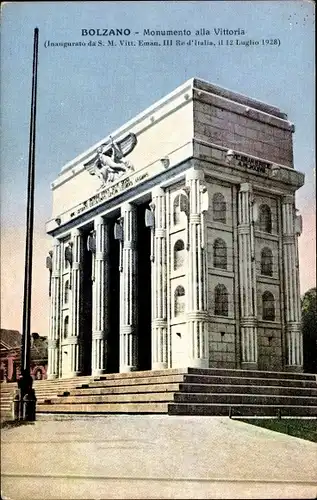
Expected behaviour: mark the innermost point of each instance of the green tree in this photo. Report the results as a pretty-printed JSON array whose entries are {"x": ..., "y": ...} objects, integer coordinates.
[{"x": 309, "y": 327}]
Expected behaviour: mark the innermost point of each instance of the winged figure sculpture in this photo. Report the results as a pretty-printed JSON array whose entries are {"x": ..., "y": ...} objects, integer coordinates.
[{"x": 109, "y": 163}]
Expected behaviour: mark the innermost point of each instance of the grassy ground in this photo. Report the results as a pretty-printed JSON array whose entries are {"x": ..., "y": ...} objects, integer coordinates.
[{"x": 301, "y": 427}]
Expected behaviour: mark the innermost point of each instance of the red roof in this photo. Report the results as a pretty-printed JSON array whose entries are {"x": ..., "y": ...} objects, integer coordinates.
[{"x": 10, "y": 339}]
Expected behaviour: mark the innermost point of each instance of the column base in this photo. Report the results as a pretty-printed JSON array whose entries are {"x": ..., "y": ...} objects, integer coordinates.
[
  {"x": 199, "y": 363},
  {"x": 247, "y": 365},
  {"x": 127, "y": 369},
  {"x": 96, "y": 373},
  {"x": 52, "y": 376},
  {"x": 294, "y": 368},
  {"x": 159, "y": 366},
  {"x": 73, "y": 374}
]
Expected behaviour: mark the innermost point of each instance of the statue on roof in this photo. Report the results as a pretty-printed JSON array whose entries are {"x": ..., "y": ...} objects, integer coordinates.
[{"x": 109, "y": 163}]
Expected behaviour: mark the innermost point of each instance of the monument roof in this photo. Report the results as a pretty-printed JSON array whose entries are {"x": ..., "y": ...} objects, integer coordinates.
[
  {"x": 191, "y": 84},
  {"x": 239, "y": 98}
]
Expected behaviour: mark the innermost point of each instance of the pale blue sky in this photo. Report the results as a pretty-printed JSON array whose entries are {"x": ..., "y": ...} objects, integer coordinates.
[{"x": 84, "y": 93}]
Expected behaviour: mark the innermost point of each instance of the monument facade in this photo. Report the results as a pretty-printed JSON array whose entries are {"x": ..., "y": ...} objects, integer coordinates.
[{"x": 175, "y": 242}]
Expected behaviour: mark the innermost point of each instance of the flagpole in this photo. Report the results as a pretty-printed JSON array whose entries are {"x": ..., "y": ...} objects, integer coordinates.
[{"x": 26, "y": 381}]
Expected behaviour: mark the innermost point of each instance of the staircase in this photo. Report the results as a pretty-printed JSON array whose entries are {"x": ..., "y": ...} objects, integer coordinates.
[
  {"x": 187, "y": 391},
  {"x": 43, "y": 390}
]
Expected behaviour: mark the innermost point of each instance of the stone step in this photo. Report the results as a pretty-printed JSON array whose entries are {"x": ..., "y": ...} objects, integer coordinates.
[
  {"x": 243, "y": 399},
  {"x": 105, "y": 408},
  {"x": 209, "y": 371},
  {"x": 212, "y": 379},
  {"x": 6, "y": 395},
  {"x": 247, "y": 389},
  {"x": 5, "y": 416},
  {"x": 142, "y": 374},
  {"x": 43, "y": 385},
  {"x": 57, "y": 387},
  {"x": 38, "y": 394},
  {"x": 64, "y": 379},
  {"x": 125, "y": 389},
  {"x": 5, "y": 402},
  {"x": 45, "y": 392},
  {"x": 179, "y": 397},
  {"x": 202, "y": 379},
  {"x": 252, "y": 373},
  {"x": 8, "y": 403},
  {"x": 111, "y": 398},
  {"x": 43, "y": 389},
  {"x": 51, "y": 381},
  {"x": 133, "y": 381},
  {"x": 241, "y": 410},
  {"x": 185, "y": 387}
]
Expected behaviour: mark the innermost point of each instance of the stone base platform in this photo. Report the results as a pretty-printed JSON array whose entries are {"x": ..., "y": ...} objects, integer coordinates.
[{"x": 188, "y": 391}]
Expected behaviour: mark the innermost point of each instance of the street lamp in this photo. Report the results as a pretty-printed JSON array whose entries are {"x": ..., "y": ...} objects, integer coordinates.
[{"x": 25, "y": 401}]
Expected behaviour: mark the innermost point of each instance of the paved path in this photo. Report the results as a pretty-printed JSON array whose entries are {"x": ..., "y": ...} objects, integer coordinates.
[{"x": 164, "y": 457}]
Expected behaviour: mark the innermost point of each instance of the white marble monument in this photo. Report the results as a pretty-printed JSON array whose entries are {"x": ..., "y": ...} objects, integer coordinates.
[{"x": 181, "y": 248}]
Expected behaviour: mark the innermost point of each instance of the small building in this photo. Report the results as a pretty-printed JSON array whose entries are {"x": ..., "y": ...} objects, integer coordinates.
[
  {"x": 175, "y": 242},
  {"x": 10, "y": 345},
  {"x": 39, "y": 356},
  {"x": 10, "y": 367}
]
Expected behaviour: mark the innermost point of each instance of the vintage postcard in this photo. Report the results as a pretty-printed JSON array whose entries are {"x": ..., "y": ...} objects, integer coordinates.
[{"x": 158, "y": 254}]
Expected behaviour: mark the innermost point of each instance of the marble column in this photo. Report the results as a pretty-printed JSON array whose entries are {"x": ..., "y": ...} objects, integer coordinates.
[
  {"x": 55, "y": 313},
  {"x": 294, "y": 341},
  {"x": 247, "y": 277},
  {"x": 197, "y": 319},
  {"x": 75, "y": 338},
  {"x": 128, "y": 291},
  {"x": 159, "y": 283},
  {"x": 100, "y": 298}
]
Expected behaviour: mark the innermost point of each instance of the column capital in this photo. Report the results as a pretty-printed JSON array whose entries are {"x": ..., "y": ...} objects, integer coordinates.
[
  {"x": 288, "y": 199},
  {"x": 245, "y": 187},
  {"x": 127, "y": 207},
  {"x": 75, "y": 232},
  {"x": 195, "y": 174},
  {"x": 157, "y": 192},
  {"x": 56, "y": 242},
  {"x": 99, "y": 219}
]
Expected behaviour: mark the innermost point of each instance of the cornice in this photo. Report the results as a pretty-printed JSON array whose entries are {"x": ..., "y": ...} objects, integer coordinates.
[{"x": 179, "y": 94}]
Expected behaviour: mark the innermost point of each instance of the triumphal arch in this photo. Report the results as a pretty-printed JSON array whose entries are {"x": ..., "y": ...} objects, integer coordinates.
[{"x": 175, "y": 242}]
